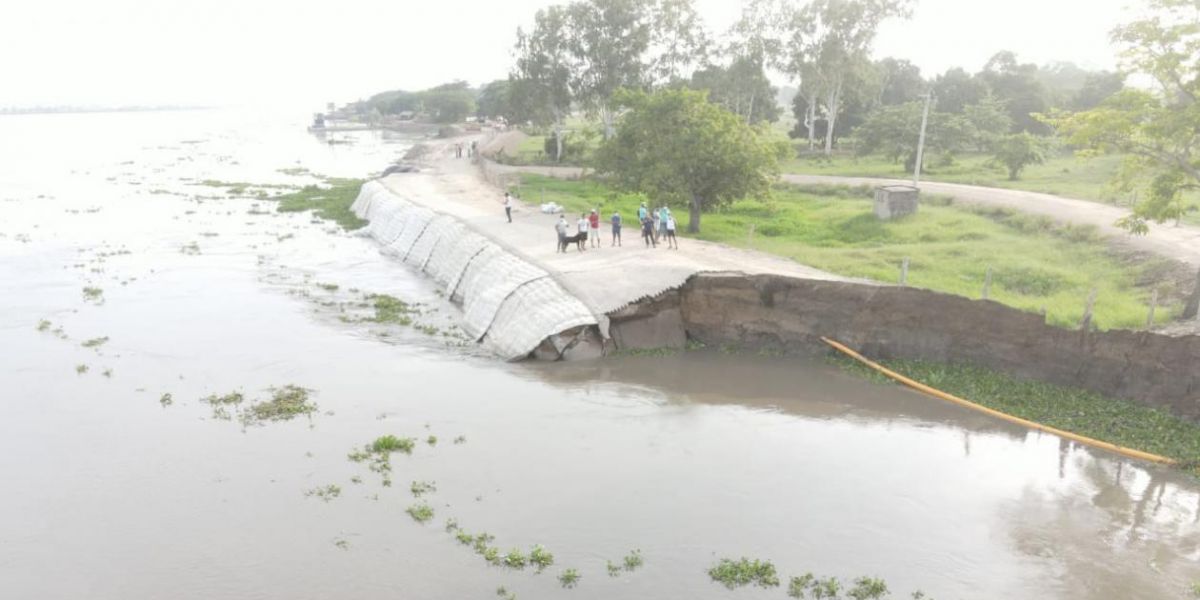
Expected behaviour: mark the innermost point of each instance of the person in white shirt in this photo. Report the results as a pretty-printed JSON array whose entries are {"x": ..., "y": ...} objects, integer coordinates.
[
  {"x": 673, "y": 243},
  {"x": 583, "y": 230},
  {"x": 508, "y": 206}
]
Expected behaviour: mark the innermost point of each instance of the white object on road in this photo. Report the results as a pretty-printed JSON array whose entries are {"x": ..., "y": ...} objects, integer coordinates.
[{"x": 552, "y": 208}]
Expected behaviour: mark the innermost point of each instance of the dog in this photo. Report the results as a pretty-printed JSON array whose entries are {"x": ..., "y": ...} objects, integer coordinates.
[{"x": 578, "y": 239}]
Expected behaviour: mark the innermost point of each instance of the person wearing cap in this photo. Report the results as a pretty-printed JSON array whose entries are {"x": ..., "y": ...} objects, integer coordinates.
[{"x": 616, "y": 228}]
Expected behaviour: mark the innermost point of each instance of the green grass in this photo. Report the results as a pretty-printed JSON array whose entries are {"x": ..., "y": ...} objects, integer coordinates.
[
  {"x": 331, "y": 201},
  {"x": 1061, "y": 174},
  {"x": 1121, "y": 422},
  {"x": 738, "y": 573},
  {"x": 1035, "y": 263}
]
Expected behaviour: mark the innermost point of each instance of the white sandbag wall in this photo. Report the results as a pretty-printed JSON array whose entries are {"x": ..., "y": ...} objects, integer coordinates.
[{"x": 508, "y": 303}]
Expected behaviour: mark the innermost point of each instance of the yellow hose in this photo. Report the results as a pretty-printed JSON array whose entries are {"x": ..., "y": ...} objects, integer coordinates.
[{"x": 916, "y": 385}]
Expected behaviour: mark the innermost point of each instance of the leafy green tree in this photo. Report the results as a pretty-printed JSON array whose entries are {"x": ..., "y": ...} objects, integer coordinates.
[
  {"x": 1097, "y": 87},
  {"x": 742, "y": 87},
  {"x": 893, "y": 131},
  {"x": 449, "y": 103},
  {"x": 495, "y": 100},
  {"x": 1018, "y": 86},
  {"x": 1157, "y": 130},
  {"x": 900, "y": 81},
  {"x": 989, "y": 121},
  {"x": 1019, "y": 150},
  {"x": 956, "y": 89},
  {"x": 676, "y": 146},
  {"x": 543, "y": 82},
  {"x": 836, "y": 38}
]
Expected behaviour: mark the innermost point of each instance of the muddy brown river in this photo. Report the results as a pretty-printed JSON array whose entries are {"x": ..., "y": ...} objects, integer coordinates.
[{"x": 110, "y": 492}]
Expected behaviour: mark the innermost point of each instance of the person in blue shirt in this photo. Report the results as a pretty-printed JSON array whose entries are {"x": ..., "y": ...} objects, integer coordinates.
[{"x": 616, "y": 229}]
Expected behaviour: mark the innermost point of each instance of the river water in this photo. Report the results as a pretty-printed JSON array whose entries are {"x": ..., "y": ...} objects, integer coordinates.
[{"x": 110, "y": 493}]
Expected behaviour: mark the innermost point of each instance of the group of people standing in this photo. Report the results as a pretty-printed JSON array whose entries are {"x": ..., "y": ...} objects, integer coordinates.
[
  {"x": 655, "y": 225},
  {"x": 471, "y": 150}
]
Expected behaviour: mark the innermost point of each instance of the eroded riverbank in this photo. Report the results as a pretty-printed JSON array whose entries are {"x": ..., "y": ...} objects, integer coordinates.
[{"x": 688, "y": 459}]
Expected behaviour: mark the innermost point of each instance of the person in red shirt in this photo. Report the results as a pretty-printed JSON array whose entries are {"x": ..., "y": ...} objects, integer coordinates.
[{"x": 594, "y": 225}]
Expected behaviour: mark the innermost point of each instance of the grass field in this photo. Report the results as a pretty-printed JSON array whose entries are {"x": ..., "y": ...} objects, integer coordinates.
[
  {"x": 1036, "y": 265},
  {"x": 1061, "y": 175}
]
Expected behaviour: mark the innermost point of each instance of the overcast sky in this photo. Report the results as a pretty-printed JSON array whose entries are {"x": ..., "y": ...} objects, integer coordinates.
[{"x": 106, "y": 52}]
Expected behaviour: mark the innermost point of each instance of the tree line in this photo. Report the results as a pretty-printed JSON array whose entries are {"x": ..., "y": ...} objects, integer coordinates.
[{"x": 596, "y": 56}]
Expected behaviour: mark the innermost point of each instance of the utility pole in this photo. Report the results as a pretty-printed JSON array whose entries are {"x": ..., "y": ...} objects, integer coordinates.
[{"x": 921, "y": 141}]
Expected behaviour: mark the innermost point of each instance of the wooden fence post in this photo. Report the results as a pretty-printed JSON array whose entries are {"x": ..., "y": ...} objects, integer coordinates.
[
  {"x": 904, "y": 272},
  {"x": 1086, "y": 324},
  {"x": 1153, "y": 305},
  {"x": 987, "y": 283}
]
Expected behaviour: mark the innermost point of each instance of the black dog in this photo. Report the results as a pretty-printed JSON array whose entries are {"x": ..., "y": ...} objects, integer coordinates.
[{"x": 578, "y": 239}]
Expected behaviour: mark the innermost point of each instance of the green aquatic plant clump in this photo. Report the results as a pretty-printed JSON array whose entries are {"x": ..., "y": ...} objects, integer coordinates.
[
  {"x": 390, "y": 309},
  {"x": 420, "y": 488},
  {"x": 1121, "y": 422},
  {"x": 569, "y": 578},
  {"x": 540, "y": 558},
  {"x": 286, "y": 403},
  {"x": 324, "y": 493},
  {"x": 633, "y": 561},
  {"x": 95, "y": 342},
  {"x": 515, "y": 559},
  {"x": 830, "y": 588},
  {"x": 742, "y": 572},
  {"x": 421, "y": 513},
  {"x": 389, "y": 443},
  {"x": 331, "y": 202}
]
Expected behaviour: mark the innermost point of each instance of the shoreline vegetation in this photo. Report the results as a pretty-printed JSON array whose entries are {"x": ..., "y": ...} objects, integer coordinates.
[
  {"x": 1037, "y": 265},
  {"x": 1117, "y": 421},
  {"x": 331, "y": 202}
]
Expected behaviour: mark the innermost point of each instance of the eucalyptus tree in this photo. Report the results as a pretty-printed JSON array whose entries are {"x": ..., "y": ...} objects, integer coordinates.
[
  {"x": 544, "y": 81},
  {"x": 831, "y": 42}
]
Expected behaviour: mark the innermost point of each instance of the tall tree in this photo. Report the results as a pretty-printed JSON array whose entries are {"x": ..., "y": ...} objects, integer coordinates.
[
  {"x": 836, "y": 36},
  {"x": 1018, "y": 86},
  {"x": 679, "y": 40},
  {"x": 609, "y": 42},
  {"x": 494, "y": 100},
  {"x": 1158, "y": 130},
  {"x": 956, "y": 88},
  {"x": 1097, "y": 87},
  {"x": 741, "y": 87},
  {"x": 677, "y": 147},
  {"x": 899, "y": 81},
  {"x": 543, "y": 81}
]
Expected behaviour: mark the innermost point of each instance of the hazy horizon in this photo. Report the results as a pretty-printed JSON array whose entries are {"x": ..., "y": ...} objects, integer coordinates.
[{"x": 138, "y": 52}]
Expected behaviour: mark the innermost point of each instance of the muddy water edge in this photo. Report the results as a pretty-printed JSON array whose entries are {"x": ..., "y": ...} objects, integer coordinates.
[{"x": 159, "y": 290}]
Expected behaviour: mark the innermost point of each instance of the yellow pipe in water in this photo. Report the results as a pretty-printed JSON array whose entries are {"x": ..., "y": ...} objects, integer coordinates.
[{"x": 936, "y": 393}]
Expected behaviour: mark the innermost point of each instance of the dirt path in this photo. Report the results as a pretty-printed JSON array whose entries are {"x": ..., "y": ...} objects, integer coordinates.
[
  {"x": 1177, "y": 243},
  {"x": 606, "y": 278}
]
